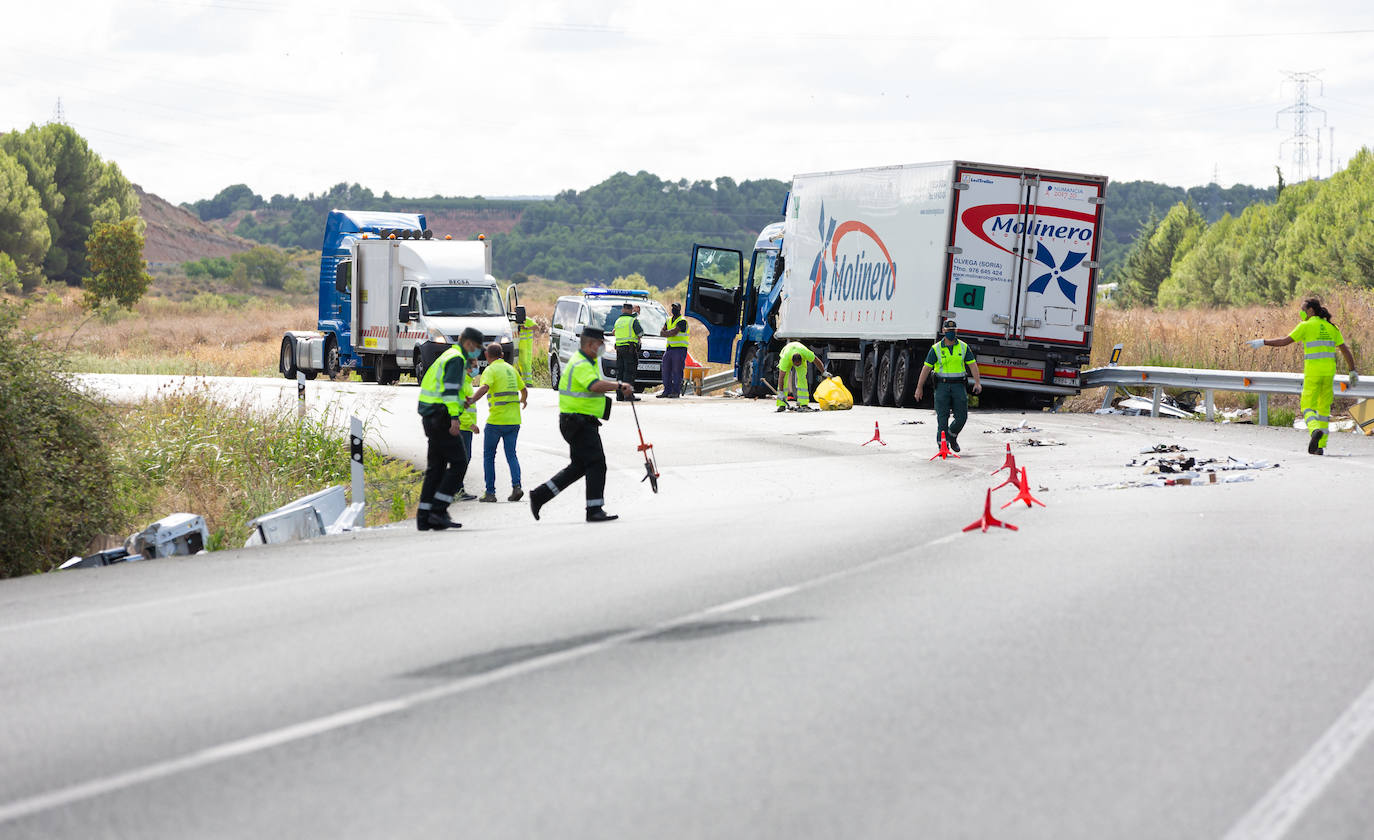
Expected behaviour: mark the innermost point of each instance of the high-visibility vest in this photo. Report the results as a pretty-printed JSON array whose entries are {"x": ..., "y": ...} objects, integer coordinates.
[
  {"x": 679, "y": 324},
  {"x": 625, "y": 331},
  {"x": 949, "y": 361},
  {"x": 525, "y": 332},
  {"x": 436, "y": 390},
  {"x": 503, "y": 393},
  {"x": 575, "y": 395},
  {"x": 467, "y": 421},
  {"x": 1319, "y": 353},
  {"x": 790, "y": 354}
]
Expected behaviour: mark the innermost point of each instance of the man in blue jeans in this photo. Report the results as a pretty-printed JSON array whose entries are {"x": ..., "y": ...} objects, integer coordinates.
[{"x": 506, "y": 394}]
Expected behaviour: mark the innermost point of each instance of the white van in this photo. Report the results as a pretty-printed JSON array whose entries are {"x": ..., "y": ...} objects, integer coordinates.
[{"x": 599, "y": 307}]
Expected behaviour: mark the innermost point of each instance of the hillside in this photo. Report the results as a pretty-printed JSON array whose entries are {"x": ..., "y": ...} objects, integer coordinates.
[{"x": 174, "y": 235}]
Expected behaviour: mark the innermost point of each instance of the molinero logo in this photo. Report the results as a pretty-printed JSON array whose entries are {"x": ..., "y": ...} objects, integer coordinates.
[
  {"x": 857, "y": 274},
  {"x": 1067, "y": 228}
]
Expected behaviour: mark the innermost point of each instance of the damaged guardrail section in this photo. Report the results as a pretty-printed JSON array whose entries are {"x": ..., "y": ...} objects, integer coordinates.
[{"x": 1208, "y": 381}]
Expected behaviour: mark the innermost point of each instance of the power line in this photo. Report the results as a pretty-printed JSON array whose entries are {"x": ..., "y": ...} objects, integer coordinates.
[{"x": 1301, "y": 140}]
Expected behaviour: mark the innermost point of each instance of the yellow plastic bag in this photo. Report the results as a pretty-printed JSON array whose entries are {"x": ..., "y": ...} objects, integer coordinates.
[{"x": 833, "y": 396}]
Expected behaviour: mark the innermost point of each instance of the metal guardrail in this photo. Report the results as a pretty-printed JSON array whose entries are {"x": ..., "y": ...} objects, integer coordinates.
[
  {"x": 717, "y": 381},
  {"x": 1208, "y": 381}
]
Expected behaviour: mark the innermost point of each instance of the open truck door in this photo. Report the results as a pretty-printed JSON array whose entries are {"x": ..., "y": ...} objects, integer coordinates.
[{"x": 715, "y": 297}]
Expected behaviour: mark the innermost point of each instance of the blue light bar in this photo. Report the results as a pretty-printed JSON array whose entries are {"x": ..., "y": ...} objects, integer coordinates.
[{"x": 597, "y": 291}]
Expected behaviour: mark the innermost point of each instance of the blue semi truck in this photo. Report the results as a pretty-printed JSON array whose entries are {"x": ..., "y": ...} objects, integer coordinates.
[{"x": 390, "y": 292}]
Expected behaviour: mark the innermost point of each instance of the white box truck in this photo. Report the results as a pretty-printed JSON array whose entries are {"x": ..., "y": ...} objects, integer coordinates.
[
  {"x": 388, "y": 286},
  {"x": 867, "y": 264}
]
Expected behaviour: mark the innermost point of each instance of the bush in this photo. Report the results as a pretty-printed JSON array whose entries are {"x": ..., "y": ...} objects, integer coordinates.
[{"x": 55, "y": 487}]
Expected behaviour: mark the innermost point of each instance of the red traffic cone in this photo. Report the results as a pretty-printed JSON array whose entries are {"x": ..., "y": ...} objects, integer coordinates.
[
  {"x": 1014, "y": 480},
  {"x": 1009, "y": 464},
  {"x": 1025, "y": 494},
  {"x": 988, "y": 520},
  {"x": 944, "y": 454},
  {"x": 877, "y": 438}
]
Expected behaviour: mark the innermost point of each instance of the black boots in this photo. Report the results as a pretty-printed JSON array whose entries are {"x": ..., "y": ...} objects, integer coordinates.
[
  {"x": 539, "y": 497},
  {"x": 436, "y": 519},
  {"x": 1312, "y": 447},
  {"x": 596, "y": 514}
]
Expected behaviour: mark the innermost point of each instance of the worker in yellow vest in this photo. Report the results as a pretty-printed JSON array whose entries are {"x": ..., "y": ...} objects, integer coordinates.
[
  {"x": 582, "y": 407},
  {"x": 1320, "y": 339},
  {"x": 440, "y": 407},
  {"x": 952, "y": 362},
  {"x": 675, "y": 357},
  {"x": 792, "y": 361},
  {"x": 627, "y": 333},
  {"x": 524, "y": 334},
  {"x": 506, "y": 394},
  {"x": 467, "y": 427}
]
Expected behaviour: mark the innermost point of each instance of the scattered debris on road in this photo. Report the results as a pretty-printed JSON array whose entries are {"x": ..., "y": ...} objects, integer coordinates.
[
  {"x": 911, "y": 423},
  {"x": 1040, "y": 442},
  {"x": 177, "y": 535},
  {"x": 1020, "y": 428}
]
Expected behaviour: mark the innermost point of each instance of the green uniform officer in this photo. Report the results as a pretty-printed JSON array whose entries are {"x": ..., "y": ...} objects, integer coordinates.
[
  {"x": 440, "y": 409},
  {"x": 581, "y": 407},
  {"x": 627, "y": 333},
  {"x": 1320, "y": 339},
  {"x": 952, "y": 362},
  {"x": 792, "y": 362}
]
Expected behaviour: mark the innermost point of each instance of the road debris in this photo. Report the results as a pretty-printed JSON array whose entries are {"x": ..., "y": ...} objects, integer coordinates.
[
  {"x": 1039, "y": 442},
  {"x": 911, "y": 423},
  {"x": 1020, "y": 428}
]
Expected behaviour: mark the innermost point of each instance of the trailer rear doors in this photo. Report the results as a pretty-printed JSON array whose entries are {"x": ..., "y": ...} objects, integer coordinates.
[{"x": 1024, "y": 255}]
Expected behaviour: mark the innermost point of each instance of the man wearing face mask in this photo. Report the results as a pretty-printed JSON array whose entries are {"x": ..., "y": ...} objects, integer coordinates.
[
  {"x": 582, "y": 407},
  {"x": 952, "y": 363},
  {"x": 440, "y": 409}
]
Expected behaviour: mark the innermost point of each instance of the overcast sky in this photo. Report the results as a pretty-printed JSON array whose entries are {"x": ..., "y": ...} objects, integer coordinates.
[{"x": 530, "y": 97}]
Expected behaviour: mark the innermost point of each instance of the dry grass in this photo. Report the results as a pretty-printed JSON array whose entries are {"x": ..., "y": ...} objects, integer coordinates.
[
  {"x": 1213, "y": 338},
  {"x": 211, "y": 334}
]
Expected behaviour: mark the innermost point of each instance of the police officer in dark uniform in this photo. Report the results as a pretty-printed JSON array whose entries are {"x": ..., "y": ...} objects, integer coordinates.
[
  {"x": 628, "y": 331},
  {"x": 582, "y": 406},
  {"x": 441, "y": 403}
]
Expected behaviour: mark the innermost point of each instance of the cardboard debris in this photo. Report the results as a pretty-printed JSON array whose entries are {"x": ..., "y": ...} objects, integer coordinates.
[{"x": 1362, "y": 413}]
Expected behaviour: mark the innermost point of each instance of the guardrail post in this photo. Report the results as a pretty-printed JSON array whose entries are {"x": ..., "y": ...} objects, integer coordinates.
[
  {"x": 1159, "y": 395},
  {"x": 1264, "y": 409},
  {"x": 300, "y": 393},
  {"x": 355, "y": 454},
  {"x": 1211, "y": 406},
  {"x": 1107, "y": 398}
]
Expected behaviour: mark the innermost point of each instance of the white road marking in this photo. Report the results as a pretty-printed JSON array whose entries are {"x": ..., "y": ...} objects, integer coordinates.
[
  {"x": 360, "y": 714},
  {"x": 1285, "y": 803}
]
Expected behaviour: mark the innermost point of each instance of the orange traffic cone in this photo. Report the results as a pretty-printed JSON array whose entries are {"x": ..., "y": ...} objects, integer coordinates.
[
  {"x": 1025, "y": 494},
  {"x": 1014, "y": 480},
  {"x": 1009, "y": 464},
  {"x": 944, "y": 453},
  {"x": 988, "y": 520},
  {"x": 877, "y": 438}
]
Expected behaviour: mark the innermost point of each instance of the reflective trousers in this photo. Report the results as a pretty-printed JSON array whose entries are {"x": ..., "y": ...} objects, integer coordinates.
[
  {"x": 527, "y": 359},
  {"x": 950, "y": 397},
  {"x": 588, "y": 458},
  {"x": 446, "y": 459},
  {"x": 794, "y": 383},
  {"x": 1317, "y": 394}
]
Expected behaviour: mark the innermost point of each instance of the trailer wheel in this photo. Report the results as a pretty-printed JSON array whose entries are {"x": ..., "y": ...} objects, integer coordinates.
[
  {"x": 868, "y": 389},
  {"x": 287, "y": 362},
  {"x": 885, "y": 383},
  {"x": 903, "y": 378},
  {"x": 388, "y": 373}
]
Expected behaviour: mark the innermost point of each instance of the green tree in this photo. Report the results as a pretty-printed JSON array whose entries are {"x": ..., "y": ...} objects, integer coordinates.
[
  {"x": 54, "y": 467},
  {"x": 24, "y": 233},
  {"x": 1153, "y": 256},
  {"x": 75, "y": 189},
  {"x": 9, "y": 275},
  {"x": 265, "y": 264},
  {"x": 115, "y": 254}
]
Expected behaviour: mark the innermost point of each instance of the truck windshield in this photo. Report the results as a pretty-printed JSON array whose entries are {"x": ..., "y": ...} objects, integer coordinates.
[
  {"x": 652, "y": 316},
  {"x": 461, "y": 301}
]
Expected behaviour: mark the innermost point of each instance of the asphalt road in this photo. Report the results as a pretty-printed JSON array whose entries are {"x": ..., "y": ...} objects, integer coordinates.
[{"x": 793, "y": 639}]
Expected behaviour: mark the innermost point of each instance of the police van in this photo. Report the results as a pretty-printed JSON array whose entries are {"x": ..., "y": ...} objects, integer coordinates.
[{"x": 601, "y": 308}]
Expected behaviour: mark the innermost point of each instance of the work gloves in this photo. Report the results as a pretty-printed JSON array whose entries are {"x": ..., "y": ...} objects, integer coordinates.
[
  {"x": 1256, "y": 343},
  {"x": 1354, "y": 379}
]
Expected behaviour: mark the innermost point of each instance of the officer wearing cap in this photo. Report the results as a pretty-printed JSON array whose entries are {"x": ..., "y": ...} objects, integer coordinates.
[
  {"x": 952, "y": 363},
  {"x": 440, "y": 408},
  {"x": 582, "y": 406}
]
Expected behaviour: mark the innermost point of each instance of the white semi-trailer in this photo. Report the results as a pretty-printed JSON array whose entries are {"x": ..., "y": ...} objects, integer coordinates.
[{"x": 866, "y": 265}]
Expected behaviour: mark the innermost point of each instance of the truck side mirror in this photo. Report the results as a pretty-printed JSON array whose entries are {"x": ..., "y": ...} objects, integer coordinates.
[
  {"x": 404, "y": 314},
  {"x": 343, "y": 276},
  {"x": 520, "y": 314}
]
